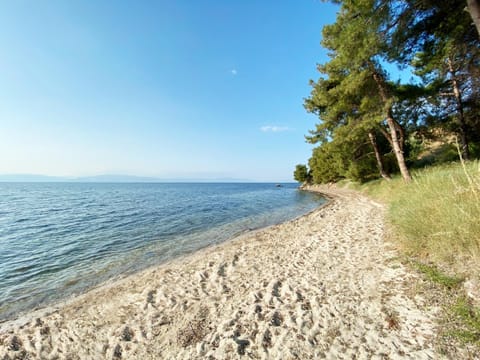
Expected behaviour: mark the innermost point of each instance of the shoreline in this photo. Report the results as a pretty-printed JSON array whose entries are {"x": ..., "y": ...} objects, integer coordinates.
[
  {"x": 265, "y": 293},
  {"x": 23, "y": 317},
  {"x": 43, "y": 307}
]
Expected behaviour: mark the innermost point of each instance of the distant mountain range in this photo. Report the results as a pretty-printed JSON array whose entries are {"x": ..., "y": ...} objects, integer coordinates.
[{"x": 108, "y": 179}]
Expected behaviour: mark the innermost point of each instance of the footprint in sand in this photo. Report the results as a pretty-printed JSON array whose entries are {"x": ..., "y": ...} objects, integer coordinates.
[
  {"x": 150, "y": 298},
  {"x": 258, "y": 311},
  {"x": 276, "y": 289},
  {"x": 221, "y": 270},
  {"x": 117, "y": 352},
  {"x": 267, "y": 339},
  {"x": 235, "y": 259}
]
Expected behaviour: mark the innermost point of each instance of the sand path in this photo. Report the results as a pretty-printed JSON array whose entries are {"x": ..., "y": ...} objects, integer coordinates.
[{"x": 325, "y": 285}]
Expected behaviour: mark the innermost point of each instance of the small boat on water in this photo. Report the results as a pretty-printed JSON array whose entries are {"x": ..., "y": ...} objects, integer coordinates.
[{"x": 278, "y": 185}]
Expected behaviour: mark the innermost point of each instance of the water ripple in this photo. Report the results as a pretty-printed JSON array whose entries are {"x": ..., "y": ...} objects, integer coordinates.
[{"x": 60, "y": 239}]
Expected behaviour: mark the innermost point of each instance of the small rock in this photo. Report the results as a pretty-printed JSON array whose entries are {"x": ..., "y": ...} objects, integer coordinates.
[
  {"x": 127, "y": 334},
  {"x": 277, "y": 319},
  {"x": 242, "y": 344}
]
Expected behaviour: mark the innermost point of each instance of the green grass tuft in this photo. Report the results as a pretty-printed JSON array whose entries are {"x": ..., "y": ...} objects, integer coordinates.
[
  {"x": 469, "y": 318},
  {"x": 433, "y": 274}
]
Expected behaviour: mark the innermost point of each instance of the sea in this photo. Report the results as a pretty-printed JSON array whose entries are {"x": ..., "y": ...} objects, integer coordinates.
[{"x": 61, "y": 239}]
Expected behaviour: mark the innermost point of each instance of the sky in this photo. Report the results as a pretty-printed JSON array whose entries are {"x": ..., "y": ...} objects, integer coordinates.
[{"x": 173, "y": 89}]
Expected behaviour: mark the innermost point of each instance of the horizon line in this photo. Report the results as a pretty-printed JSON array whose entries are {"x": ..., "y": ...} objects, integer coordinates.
[{"x": 119, "y": 178}]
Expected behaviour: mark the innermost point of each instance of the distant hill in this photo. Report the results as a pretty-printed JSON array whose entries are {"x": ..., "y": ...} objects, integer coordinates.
[
  {"x": 31, "y": 178},
  {"x": 115, "y": 179}
]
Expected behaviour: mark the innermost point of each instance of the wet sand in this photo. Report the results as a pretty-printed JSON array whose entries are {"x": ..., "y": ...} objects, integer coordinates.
[{"x": 325, "y": 285}]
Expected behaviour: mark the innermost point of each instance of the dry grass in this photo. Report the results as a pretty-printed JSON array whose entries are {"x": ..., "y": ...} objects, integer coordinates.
[
  {"x": 438, "y": 215},
  {"x": 435, "y": 220}
]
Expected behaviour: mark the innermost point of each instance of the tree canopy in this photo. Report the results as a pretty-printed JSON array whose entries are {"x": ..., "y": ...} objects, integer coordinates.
[
  {"x": 301, "y": 173},
  {"x": 368, "y": 123}
]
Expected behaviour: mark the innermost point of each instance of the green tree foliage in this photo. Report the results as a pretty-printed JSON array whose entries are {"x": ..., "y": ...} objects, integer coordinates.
[
  {"x": 301, "y": 173},
  {"x": 366, "y": 120},
  {"x": 440, "y": 41},
  {"x": 327, "y": 164},
  {"x": 354, "y": 97},
  {"x": 336, "y": 160}
]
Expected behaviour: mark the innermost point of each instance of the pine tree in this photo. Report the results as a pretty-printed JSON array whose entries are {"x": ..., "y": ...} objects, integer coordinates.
[
  {"x": 440, "y": 41},
  {"x": 356, "y": 44}
]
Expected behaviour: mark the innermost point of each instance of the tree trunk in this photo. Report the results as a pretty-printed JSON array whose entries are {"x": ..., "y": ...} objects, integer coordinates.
[
  {"x": 401, "y": 134},
  {"x": 457, "y": 92},
  {"x": 386, "y": 135},
  {"x": 474, "y": 10},
  {"x": 378, "y": 156},
  {"x": 394, "y": 142},
  {"x": 392, "y": 125},
  {"x": 402, "y": 165}
]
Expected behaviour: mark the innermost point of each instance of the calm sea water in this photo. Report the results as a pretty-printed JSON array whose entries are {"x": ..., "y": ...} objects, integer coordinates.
[{"x": 57, "y": 239}]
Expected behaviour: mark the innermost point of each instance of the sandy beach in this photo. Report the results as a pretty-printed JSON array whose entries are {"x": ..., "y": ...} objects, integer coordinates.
[{"x": 325, "y": 285}]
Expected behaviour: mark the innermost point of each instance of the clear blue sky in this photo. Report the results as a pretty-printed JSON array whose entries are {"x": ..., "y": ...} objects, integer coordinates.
[{"x": 172, "y": 88}]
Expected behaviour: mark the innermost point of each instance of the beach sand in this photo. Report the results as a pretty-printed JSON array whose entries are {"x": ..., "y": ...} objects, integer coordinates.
[{"x": 325, "y": 285}]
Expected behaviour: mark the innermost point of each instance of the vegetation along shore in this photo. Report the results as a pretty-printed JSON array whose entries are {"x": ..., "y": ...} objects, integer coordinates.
[{"x": 409, "y": 140}]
